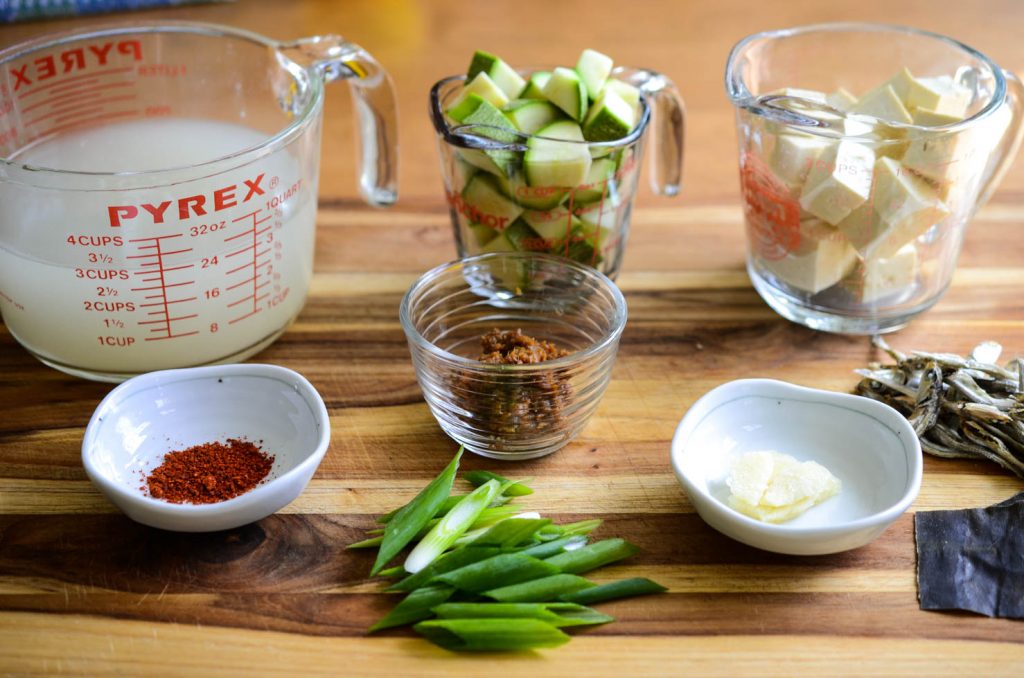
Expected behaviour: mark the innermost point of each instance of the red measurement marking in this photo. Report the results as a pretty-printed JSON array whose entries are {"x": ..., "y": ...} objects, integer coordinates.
[
  {"x": 772, "y": 214},
  {"x": 77, "y": 93},
  {"x": 74, "y": 108},
  {"x": 81, "y": 76},
  {"x": 154, "y": 250},
  {"x": 64, "y": 95},
  {"x": 173, "y": 336},
  {"x": 103, "y": 117},
  {"x": 244, "y": 217},
  {"x": 169, "y": 268},
  {"x": 76, "y": 114},
  {"x": 249, "y": 248},
  {"x": 252, "y": 265},
  {"x": 160, "y": 303}
]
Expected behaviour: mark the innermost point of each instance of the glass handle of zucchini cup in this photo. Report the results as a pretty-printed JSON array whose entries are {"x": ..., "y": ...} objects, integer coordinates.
[
  {"x": 668, "y": 123},
  {"x": 373, "y": 97},
  {"x": 1005, "y": 151}
]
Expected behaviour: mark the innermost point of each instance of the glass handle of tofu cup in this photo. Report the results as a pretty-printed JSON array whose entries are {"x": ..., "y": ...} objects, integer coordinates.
[
  {"x": 373, "y": 97},
  {"x": 1005, "y": 151},
  {"x": 668, "y": 124}
]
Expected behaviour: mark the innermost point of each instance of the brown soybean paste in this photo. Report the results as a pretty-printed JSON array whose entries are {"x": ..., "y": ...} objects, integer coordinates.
[{"x": 518, "y": 403}]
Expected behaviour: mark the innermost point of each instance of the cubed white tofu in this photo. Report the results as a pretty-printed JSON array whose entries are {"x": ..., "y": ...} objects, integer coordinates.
[
  {"x": 902, "y": 207},
  {"x": 887, "y": 276},
  {"x": 794, "y": 155},
  {"x": 885, "y": 104},
  {"x": 822, "y": 258},
  {"x": 936, "y": 156},
  {"x": 915, "y": 93},
  {"x": 953, "y": 99},
  {"x": 839, "y": 181},
  {"x": 842, "y": 99},
  {"x": 929, "y": 118}
]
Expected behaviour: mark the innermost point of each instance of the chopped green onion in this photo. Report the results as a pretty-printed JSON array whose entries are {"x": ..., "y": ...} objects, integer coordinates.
[
  {"x": 414, "y": 607},
  {"x": 444, "y": 508},
  {"x": 366, "y": 543},
  {"x": 512, "y": 488},
  {"x": 506, "y": 568},
  {"x": 511, "y": 532},
  {"x": 411, "y": 518},
  {"x": 488, "y": 517},
  {"x": 638, "y": 586},
  {"x": 491, "y": 635},
  {"x": 582, "y": 527},
  {"x": 593, "y": 556},
  {"x": 448, "y": 504},
  {"x": 446, "y": 563},
  {"x": 475, "y": 533},
  {"x": 392, "y": 572},
  {"x": 540, "y": 590},
  {"x": 553, "y": 548},
  {"x": 556, "y": 614},
  {"x": 450, "y": 527},
  {"x": 550, "y": 533}
]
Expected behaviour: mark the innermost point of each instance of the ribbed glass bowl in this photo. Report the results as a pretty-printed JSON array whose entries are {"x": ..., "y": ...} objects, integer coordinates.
[{"x": 513, "y": 411}]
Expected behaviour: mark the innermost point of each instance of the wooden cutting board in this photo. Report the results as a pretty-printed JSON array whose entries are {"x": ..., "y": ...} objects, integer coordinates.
[{"x": 85, "y": 590}]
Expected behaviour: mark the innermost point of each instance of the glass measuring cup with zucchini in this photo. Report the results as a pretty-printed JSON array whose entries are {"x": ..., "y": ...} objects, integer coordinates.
[
  {"x": 547, "y": 160},
  {"x": 864, "y": 152},
  {"x": 159, "y": 189}
]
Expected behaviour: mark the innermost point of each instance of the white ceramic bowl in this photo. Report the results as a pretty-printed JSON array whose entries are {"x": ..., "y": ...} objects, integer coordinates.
[
  {"x": 152, "y": 414},
  {"x": 868, "y": 445}
]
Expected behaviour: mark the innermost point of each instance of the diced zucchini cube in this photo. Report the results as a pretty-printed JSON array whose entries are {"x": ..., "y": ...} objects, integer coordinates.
[
  {"x": 566, "y": 90},
  {"x": 530, "y": 115},
  {"x": 549, "y": 161},
  {"x": 594, "y": 69},
  {"x": 535, "y": 86},
  {"x": 503, "y": 75},
  {"x": 484, "y": 87}
]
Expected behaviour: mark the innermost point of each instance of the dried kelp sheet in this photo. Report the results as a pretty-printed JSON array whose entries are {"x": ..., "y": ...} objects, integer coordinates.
[{"x": 972, "y": 559}]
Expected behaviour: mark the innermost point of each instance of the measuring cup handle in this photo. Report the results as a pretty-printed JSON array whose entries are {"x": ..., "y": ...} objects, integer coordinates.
[
  {"x": 1006, "y": 150},
  {"x": 668, "y": 119},
  {"x": 373, "y": 97}
]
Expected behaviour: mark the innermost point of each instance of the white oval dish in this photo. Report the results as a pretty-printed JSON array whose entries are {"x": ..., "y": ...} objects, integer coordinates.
[
  {"x": 869, "y": 446},
  {"x": 152, "y": 414}
]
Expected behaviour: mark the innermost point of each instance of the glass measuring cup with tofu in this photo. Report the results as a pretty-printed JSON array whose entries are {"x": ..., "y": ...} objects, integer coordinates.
[{"x": 864, "y": 152}]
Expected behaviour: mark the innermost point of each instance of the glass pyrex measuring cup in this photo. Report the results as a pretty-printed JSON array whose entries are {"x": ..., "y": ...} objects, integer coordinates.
[
  {"x": 158, "y": 189},
  {"x": 864, "y": 152},
  {"x": 494, "y": 206}
]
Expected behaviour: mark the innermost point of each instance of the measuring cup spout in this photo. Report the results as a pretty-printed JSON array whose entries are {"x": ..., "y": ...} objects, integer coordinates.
[
  {"x": 668, "y": 120},
  {"x": 373, "y": 97}
]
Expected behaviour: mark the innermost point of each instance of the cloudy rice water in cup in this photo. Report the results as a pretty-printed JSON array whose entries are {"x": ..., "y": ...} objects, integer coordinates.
[{"x": 159, "y": 189}]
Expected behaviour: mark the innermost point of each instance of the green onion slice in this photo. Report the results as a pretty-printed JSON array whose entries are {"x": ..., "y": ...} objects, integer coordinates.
[
  {"x": 450, "y": 527},
  {"x": 593, "y": 556},
  {"x": 540, "y": 590},
  {"x": 446, "y": 563},
  {"x": 491, "y": 635},
  {"x": 414, "y": 607},
  {"x": 556, "y": 614},
  {"x": 511, "y": 532},
  {"x": 512, "y": 488},
  {"x": 411, "y": 518},
  {"x": 624, "y": 588},
  {"x": 553, "y": 548},
  {"x": 503, "y": 569}
]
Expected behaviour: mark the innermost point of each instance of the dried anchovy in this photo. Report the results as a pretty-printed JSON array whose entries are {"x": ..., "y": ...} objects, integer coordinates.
[{"x": 960, "y": 407}]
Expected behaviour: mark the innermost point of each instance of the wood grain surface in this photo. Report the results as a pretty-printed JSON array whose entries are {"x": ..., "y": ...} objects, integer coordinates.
[{"x": 84, "y": 590}]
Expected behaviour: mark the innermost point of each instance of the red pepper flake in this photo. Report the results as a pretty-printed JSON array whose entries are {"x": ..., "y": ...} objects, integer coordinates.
[{"x": 209, "y": 473}]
